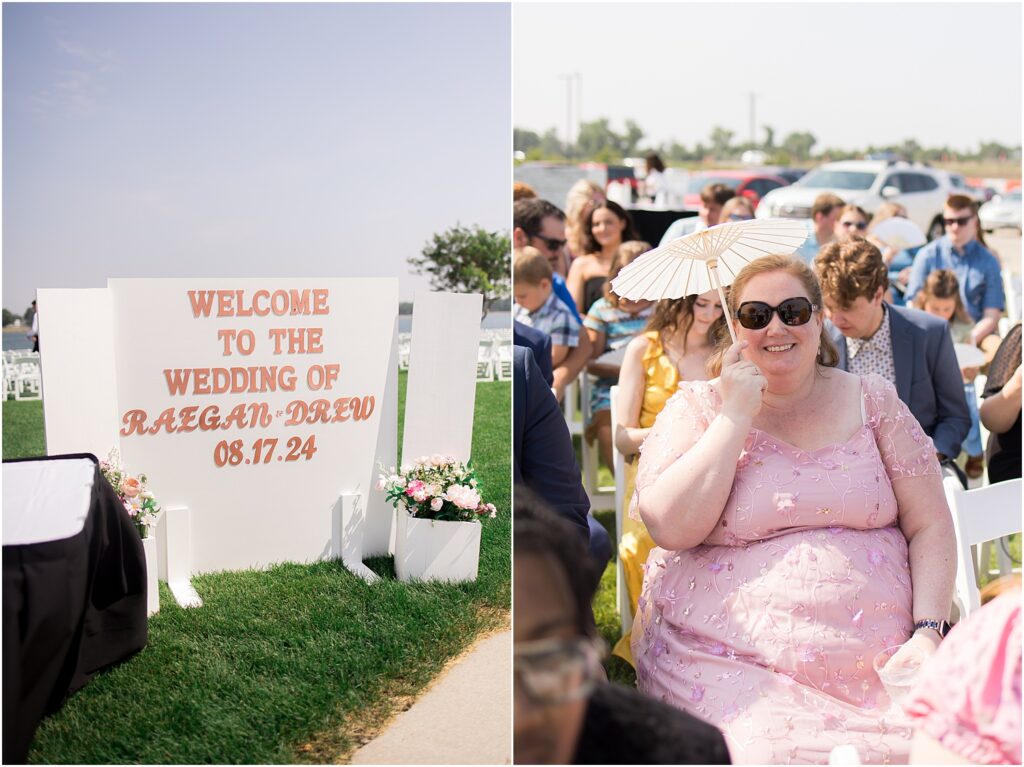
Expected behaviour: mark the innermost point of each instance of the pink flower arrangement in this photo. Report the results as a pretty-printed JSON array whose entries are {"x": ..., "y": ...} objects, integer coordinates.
[
  {"x": 131, "y": 490},
  {"x": 436, "y": 487}
]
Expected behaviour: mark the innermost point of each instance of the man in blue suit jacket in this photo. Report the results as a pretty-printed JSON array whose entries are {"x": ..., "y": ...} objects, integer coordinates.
[
  {"x": 539, "y": 343},
  {"x": 914, "y": 350},
  {"x": 543, "y": 455}
]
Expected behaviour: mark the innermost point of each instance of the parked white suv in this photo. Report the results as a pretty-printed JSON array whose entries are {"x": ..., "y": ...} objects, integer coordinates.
[{"x": 867, "y": 183}]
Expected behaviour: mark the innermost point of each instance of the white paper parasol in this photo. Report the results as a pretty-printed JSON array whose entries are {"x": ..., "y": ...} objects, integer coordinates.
[{"x": 707, "y": 260}]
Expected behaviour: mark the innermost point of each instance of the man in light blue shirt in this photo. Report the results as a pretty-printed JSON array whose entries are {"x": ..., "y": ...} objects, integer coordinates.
[
  {"x": 820, "y": 227},
  {"x": 712, "y": 198},
  {"x": 975, "y": 266}
]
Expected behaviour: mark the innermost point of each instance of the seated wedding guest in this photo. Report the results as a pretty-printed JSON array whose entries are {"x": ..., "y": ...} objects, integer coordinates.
[
  {"x": 522, "y": 191},
  {"x": 910, "y": 349},
  {"x": 611, "y": 323},
  {"x": 541, "y": 225},
  {"x": 737, "y": 209},
  {"x": 539, "y": 343},
  {"x": 537, "y": 305},
  {"x": 543, "y": 457},
  {"x": 712, "y": 198},
  {"x": 966, "y": 708},
  {"x": 821, "y": 227},
  {"x": 963, "y": 250},
  {"x": 607, "y": 226},
  {"x": 1000, "y": 409},
  {"x": 674, "y": 347},
  {"x": 852, "y": 222},
  {"x": 802, "y": 529},
  {"x": 582, "y": 197},
  {"x": 940, "y": 296},
  {"x": 565, "y": 710}
]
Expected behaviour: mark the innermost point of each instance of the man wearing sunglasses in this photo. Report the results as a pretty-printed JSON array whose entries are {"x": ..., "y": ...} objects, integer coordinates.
[
  {"x": 910, "y": 348},
  {"x": 976, "y": 268},
  {"x": 566, "y": 712},
  {"x": 541, "y": 225}
]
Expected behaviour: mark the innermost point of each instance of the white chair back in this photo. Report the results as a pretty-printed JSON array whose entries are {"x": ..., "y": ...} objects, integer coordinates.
[
  {"x": 621, "y": 592},
  {"x": 985, "y": 514}
]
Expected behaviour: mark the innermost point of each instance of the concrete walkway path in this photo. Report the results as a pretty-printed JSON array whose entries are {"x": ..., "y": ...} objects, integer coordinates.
[{"x": 465, "y": 717}]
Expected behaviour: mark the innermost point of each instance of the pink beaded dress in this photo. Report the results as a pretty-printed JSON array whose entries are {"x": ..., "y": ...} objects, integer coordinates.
[{"x": 768, "y": 628}]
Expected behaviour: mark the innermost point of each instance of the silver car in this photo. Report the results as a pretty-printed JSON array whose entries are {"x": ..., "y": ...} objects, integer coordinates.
[{"x": 1001, "y": 212}]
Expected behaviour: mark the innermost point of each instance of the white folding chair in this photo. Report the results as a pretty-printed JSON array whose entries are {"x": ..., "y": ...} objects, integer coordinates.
[
  {"x": 504, "y": 360},
  {"x": 1012, "y": 292},
  {"x": 485, "y": 360},
  {"x": 601, "y": 498},
  {"x": 979, "y": 516},
  {"x": 404, "y": 350},
  {"x": 621, "y": 592}
]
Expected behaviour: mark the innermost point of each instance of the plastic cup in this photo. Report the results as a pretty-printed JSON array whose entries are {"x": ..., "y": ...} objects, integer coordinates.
[{"x": 897, "y": 680}]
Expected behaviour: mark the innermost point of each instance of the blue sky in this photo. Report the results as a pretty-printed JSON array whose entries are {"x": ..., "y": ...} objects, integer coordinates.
[
  {"x": 850, "y": 73},
  {"x": 247, "y": 139}
]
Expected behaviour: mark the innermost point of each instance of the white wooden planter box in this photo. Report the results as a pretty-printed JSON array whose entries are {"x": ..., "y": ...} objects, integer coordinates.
[
  {"x": 152, "y": 574},
  {"x": 436, "y": 550}
]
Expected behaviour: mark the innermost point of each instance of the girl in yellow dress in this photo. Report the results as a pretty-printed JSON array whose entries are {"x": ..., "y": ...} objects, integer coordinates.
[{"x": 675, "y": 346}]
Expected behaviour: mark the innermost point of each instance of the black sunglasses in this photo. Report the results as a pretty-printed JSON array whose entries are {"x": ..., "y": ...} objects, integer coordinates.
[
  {"x": 754, "y": 315},
  {"x": 962, "y": 221},
  {"x": 859, "y": 224},
  {"x": 550, "y": 242}
]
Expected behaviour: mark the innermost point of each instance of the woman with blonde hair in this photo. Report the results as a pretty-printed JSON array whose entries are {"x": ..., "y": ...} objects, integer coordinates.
[
  {"x": 607, "y": 226},
  {"x": 582, "y": 197}
]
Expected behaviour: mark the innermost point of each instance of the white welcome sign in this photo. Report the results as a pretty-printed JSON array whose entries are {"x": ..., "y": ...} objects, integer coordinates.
[{"x": 254, "y": 403}]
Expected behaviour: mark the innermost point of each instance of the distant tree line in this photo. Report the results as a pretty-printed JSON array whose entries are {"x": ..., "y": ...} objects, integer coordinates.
[
  {"x": 10, "y": 317},
  {"x": 599, "y": 142}
]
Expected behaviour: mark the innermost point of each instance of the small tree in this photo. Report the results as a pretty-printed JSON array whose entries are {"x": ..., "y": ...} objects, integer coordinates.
[
  {"x": 468, "y": 260},
  {"x": 8, "y": 318}
]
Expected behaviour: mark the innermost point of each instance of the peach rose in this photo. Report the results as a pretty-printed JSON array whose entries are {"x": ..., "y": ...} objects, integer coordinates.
[{"x": 130, "y": 487}]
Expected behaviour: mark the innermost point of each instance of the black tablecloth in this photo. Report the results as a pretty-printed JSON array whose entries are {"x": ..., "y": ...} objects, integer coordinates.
[
  {"x": 652, "y": 223},
  {"x": 71, "y": 607}
]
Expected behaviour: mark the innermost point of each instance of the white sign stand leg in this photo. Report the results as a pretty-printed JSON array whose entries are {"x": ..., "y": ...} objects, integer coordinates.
[
  {"x": 379, "y": 538},
  {"x": 348, "y": 526},
  {"x": 178, "y": 535}
]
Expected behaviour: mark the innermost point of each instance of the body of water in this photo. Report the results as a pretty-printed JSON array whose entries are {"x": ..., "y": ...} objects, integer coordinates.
[
  {"x": 493, "y": 321},
  {"x": 17, "y": 340}
]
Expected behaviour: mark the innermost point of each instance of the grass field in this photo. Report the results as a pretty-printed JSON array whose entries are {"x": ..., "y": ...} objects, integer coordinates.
[{"x": 299, "y": 663}]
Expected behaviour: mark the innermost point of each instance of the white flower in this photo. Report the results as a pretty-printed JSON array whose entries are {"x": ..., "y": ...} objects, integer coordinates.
[
  {"x": 438, "y": 460},
  {"x": 381, "y": 484},
  {"x": 491, "y": 508},
  {"x": 420, "y": 496},
  {"x": 422, "y": 461},
  {"x": 463, "y": 497},
  {"x": 436, "y": 504},
  {"x": 493, "y": 514},
  {"x": 396, "y": 480}
]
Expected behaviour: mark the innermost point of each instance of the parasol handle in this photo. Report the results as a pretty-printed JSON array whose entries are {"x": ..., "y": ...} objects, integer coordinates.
[{"x": 713, "y": 271}]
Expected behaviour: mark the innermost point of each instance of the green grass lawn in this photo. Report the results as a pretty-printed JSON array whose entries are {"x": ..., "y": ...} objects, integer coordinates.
[{"x": 299, "y": 663}]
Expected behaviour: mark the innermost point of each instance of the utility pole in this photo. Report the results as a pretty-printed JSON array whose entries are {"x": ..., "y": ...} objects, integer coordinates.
[
  {"x": 753, "y": 135},
  {"x": 568, "y": 113},
  {"x": 570, "y": 80}
]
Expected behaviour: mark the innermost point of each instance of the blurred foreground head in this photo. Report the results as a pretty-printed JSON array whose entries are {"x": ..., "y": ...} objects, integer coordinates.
[{"x": 556, "y": 659}]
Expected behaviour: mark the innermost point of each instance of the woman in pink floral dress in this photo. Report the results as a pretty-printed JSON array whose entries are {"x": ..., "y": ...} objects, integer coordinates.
[{"x": 802, "y": 529}]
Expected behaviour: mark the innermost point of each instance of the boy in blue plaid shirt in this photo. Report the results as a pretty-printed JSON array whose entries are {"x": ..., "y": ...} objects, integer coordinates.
[{"x": 537, "y": 305}]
